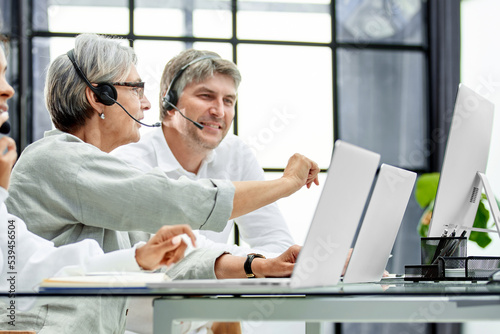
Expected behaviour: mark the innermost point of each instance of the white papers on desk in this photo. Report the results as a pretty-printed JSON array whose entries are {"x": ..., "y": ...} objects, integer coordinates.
[{"x": 106, "y": 280}]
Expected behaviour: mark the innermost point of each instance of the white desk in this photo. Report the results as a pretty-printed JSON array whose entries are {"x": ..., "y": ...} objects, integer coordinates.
[
  {"x": 393, "y": 301},
  {"x": 405, "y": 302}
]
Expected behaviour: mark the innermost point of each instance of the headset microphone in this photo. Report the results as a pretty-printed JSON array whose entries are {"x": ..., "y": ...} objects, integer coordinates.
[
  {"x": 155, "y": 125},
  {"x": 198, "y": 125},
  {"x": 5, "y": 128}
]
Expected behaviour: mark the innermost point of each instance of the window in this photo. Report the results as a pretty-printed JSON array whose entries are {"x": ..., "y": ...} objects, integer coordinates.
[{"x": 313, "y": 71}]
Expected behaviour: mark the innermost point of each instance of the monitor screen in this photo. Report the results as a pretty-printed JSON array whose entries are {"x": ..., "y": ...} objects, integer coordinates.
[{"x": 459, "y": 190}]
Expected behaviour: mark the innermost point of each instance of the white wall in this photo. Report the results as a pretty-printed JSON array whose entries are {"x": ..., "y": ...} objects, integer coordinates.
[{"x": 481, "y": 71}]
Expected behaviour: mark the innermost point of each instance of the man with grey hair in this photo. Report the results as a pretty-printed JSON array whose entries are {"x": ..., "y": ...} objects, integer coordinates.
[
  {"x": 202, "y": 87},
  {"x": 197, "y": 106}
]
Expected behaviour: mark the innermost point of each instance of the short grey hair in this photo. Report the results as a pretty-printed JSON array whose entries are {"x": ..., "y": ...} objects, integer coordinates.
[
  {"x": 197, "y": 72},
  {"x": 101, "y": 59}
]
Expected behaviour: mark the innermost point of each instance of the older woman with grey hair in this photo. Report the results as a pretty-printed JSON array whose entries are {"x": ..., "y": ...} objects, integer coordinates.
[{"x": 69, "y": 188}]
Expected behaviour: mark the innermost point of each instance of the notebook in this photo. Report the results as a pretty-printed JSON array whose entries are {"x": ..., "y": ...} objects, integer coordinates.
[
  {"x": 103, "y": 280},
  {"x": 331, "y": 232},
  {"x": 380, "y": 225}
]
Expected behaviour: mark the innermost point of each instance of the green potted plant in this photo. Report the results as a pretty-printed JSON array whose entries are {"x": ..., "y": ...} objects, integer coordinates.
[{"x": 425, "y": 193}]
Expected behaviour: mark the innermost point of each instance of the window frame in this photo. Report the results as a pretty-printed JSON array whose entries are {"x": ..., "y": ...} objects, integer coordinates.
[{"x": 24, "y": 120}]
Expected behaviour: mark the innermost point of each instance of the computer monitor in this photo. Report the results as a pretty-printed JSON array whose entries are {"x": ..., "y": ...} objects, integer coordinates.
[{"x": 459, "y": 190}]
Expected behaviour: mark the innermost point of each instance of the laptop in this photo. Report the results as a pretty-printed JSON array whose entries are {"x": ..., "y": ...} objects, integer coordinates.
[
  {"x": 380, "y": 225},
  {"x": 334, "y": 224}
]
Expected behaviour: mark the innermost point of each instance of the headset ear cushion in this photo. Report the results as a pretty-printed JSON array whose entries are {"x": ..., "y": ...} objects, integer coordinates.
[
  {"x": 172, "y": 98},
  {"x": 107, "y": 93}
]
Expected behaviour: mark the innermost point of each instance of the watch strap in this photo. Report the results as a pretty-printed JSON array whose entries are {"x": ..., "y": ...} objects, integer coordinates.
[{"x": 248, "y": 264}]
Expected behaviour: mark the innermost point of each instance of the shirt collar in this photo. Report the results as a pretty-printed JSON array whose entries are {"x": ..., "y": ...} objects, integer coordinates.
[
  {"x": 164, "y": 155},
  {"x": 56, "y": 132},
  {"x": 167, "y": 159}
]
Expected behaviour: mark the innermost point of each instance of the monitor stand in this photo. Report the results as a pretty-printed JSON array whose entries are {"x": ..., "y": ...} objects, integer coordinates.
[
  {"x": 491, "y": 200},
  {"x": 493, "y": 208}
]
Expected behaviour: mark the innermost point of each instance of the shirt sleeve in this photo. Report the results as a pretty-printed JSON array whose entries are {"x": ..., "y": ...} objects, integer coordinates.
[
  {"x": 114, "y": 196},
  {"x": 200, "y": 263}
]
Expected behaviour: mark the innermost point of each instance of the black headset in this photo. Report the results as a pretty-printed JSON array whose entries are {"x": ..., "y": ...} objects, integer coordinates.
[
  {"x": 105, "y": 91},
  {"x": 170, "y": 99}
]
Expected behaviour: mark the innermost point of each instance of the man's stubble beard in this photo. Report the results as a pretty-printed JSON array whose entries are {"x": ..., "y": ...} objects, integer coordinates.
[{"x": 197, "y": 143}]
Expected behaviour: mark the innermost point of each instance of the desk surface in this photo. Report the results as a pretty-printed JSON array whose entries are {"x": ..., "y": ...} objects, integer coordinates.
[
  {"x": 390, "y": 287},
  {"x": 392, "y": 300}
]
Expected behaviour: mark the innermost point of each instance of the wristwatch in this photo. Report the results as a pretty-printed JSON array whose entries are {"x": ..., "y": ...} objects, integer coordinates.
[{"x": 248, "y": 264}]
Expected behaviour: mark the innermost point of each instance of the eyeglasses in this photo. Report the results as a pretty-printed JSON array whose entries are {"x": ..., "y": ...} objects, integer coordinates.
[{"x": 138, "y": 87}]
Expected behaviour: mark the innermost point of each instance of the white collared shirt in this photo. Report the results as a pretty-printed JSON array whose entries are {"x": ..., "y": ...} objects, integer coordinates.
[{"x": 264, "y": 230}]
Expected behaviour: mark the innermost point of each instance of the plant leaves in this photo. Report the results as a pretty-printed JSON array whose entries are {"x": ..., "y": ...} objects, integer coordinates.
[
  {"x": 481, "y": 221},
  {"x": 482, "y": 216},
  {"x": 481, "y": 238},
  {"x": 426, "y": 188}
]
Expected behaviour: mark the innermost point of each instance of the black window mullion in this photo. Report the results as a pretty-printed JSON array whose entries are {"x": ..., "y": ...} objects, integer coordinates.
[
  {"x": 335, "y": 118},
  {"x": 234, "y": 45},
  {"x": 131, "y": 20},
  {"x": 25, "y": 63},
  {"x": 188, "y": 13}
]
